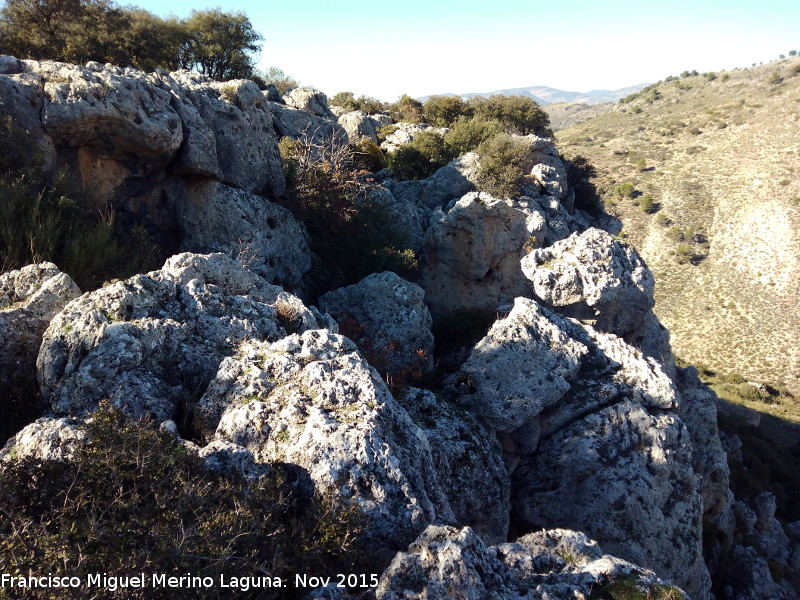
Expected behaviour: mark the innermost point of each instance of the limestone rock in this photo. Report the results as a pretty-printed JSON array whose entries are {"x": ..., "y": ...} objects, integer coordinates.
[
  {"x": 216, "y": 218},
  {"x": 453, "y": 180},
  {"x": 471, "y": 255},
  {"x": 48, "y": 438},
  {"x": 309, "y": 100},
  {"x": 468, "y": 462},
  {"x": 152, "y": 343},
  {"x": 297, "y": 123},
  {"x": 624, "y": 477},
  {"x": 594, "y": 270},
  {"x": 359, "y": 124},
  {"x": 405, "y": 133},
  {"x": 311, "y": 400},
  {"x": 386, "y": 317},
  {"x": 446, "y": 563},
  {"x": 29, "y": 299}
]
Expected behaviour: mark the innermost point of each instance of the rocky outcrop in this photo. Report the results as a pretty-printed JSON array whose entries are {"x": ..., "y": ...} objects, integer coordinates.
[
  {"x": 152, "y": 343},
  {"x": 468, "y": 462},
  {"x": 129, "y": 139},
  {"x": 404, "y": 133},
  {"x": 359, "y": 124},
  {"x": 566, "y": 398},
  {"x": 471, "y": 255},
  {"x": 297, "y": 123},
  {"x": 452, "y": 181},
  {"x": 48, "y": 438},
  {"x": 266, "y": 237},
  {"x": 29, "y": 299},
  {"x": 311, "y": 400},
  {"x": 388, "y": 320},
  {"x": 445, "y": 563},
  {"x": 309, "y": 100}
]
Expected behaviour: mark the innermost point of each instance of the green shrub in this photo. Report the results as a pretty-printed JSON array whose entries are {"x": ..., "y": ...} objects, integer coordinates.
[
  {"x": 348, "y": 101},
  {"x": 443, "y": 111},
  {"x": 407, "y": 109},
  {"x": 466, "y": 134},
  {"x": 684, "y": 253},
  {"x": 135, "y": 500},
  {"x": 647, "y": 204},
  {"x": 641, "y": 164},
  {"x": 518, "y": 114},
  {"x": 502, "y": 160},
  {"x": 624, "y": 190},
  {"x": 368, "y": 155},
  {"x": 426, "y": 153}
]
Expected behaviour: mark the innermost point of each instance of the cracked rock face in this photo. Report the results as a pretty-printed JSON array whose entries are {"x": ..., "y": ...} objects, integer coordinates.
[
  {"x": 595, "y": 270},
  {"x": 311, "y": 400},
  {"x": 29, "y": 299},
  {"x": 446, "y": 563},
  {"x": 471, "y": 255},
  {"x": 468, "y": 460},
  {"x": 387, "y": 318},
  {"x": 152, "y": 343},
  {"x": 591, "y": 437}
]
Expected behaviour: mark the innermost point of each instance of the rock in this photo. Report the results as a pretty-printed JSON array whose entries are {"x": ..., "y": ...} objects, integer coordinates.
[
  {"x": 309, "y": 100},
  {"x": 236, "y": 130},
  {"x": 530, "y": 359},
  {"x": 468, "y": 462},
  {"x": 152, "y": 343},
  {"x": 749, "y": 577},
  {"x": 405, "y": 133},
  {"x": 593, "y": 270},
  {"x": 386, "y": 317},
  {"x": 471, "y": 255},
  {"x": 624, "y": 477},
  {"x": 29, "y": 299},
  {"x": 311, "y": 400},
  {"x": 520, "y": 368},
  {"x": 296, "y": 123},
  {"x": 408, "y": 220},
  {"x": 454, "y": 180},
  {"x": 48, "y": 438},
  {"x": 757, "y": 527},
  {"x": 446, "y": 563},
  {"x": 359, "y": 124},
  {"x": 216, "y": 218}
]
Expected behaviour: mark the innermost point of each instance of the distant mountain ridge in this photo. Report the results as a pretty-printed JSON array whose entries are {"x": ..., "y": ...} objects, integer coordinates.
[{"x": 547, "y": 95}]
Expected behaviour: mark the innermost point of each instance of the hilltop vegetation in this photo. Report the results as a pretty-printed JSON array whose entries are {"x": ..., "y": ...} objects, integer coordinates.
[{"x": 701, "y": 171}]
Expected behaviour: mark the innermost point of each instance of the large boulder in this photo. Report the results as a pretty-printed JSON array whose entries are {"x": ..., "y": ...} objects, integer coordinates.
[
  {"x": 47, "y": 438},
  {"x": 386, "y": 317},
  {"x": 445, "y": 563},
  {"x": 468, "y": 460},
  {"x": 310, "y": 100},
  {"x": 359, "y": 125},
  {"x": 453, "y": 180},
  {"x": 311, "y": 400},
  {"x": 471, "y": 255},
  {"x": 592, "y": 270},
  {"x": 151, "y": 344},
  {"x": 296, "y": 123},
  {"x": 404, "y": 133},
  {"x": 591, "y": 438},
  {"x": 29, "y": 299},
  {"x": 217, "y": 218}
]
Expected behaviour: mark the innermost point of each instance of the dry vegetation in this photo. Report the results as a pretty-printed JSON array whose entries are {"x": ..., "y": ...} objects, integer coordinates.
[{"x": 719, "y": 155}]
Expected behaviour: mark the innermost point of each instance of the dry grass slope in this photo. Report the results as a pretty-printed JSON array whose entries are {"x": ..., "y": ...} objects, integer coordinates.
[{"x": 720, "y": 156}]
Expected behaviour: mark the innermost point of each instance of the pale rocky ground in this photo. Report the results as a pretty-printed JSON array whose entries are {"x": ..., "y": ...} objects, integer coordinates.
[{"x": 565, "y": 429}]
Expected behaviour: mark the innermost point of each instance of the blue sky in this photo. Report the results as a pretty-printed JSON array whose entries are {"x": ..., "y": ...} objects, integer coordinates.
[{"x": 423, "y": 47}]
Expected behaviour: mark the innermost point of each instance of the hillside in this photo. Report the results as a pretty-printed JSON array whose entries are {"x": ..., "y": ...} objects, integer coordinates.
[
  {"x": 548, "y": 95},
  {"x": 718, "y": 153}
]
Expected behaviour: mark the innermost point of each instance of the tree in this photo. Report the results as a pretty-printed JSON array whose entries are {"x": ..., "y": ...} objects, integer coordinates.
[
  {"x": 518, "y": 114},
  {"x": 220, "y": 45},
  {"x": 407, "y": 109},
  {"x": 443, "y": 111},
  {"x": 283, "y": 82}
]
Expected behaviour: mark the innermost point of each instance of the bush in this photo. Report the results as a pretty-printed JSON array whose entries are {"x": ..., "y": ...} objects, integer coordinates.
[
  {"x": 466, "y": 134},
  {"x": 502, "y": 160},
  {"x": 134, "y": 499},
  {"x": 277, "y": 78},
  {"x": 443, "y": 111},
  {"x": 368, "y": 155},
  {"x": 646, "y": 204},
  {"x": 407, "y": 109},
  {"x": 518, "y": 114},
  {"x": 684, "y": 254},
  {"x": 624, "y": 190},
  {"x": 426, "y": 153},
  {"x": 580, "y": 173},
  {"x": 353, "y": 233},
  {"x": 347, "y": 100}
]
